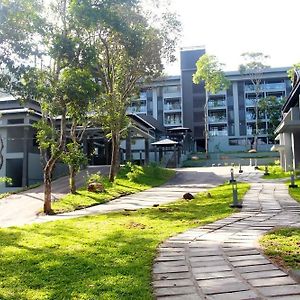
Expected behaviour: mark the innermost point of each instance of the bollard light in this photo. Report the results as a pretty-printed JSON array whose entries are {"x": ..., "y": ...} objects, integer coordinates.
[
  {"x": 255, "y": 165},
  {"x": 232, "y": 176},
  {"x": 240, "y": 169},
  {"x": 235, "y": 199},
  {"x": 266, "y": 171},
  {"x": 293, "y": 185},
  {"x": 250, "y": 162}
]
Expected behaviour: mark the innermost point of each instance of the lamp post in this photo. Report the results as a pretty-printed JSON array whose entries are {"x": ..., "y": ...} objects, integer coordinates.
[
  {"x": 293, "y": 185},
  {"x": 232, "y": 180},
  {"x": 235, "y": 200},
  {"x": 240, "y": 169},
  {"x": 266, "y": 171},
  {"x": 255, "y": 166}
]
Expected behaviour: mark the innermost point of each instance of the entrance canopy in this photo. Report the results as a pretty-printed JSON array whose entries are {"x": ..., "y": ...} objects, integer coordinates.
[{"x": 165, "y": 143}]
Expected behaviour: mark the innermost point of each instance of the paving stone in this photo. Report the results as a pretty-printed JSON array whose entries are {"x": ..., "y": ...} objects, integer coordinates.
[
  {"x": 290, "y": 297},
  {"x": 211, "y": 269},
  {"x": 224, "y": 288},
  {"x": 175, "y": 291},
  {"x": 272, "y": 281},
  {"x": 164, "y": 269},
  {"x": 169, "y": 258},
  {"x": 234, "y": 296},
  {"x": 173, "y": 283},
  {"x": 258, "y": 268},
  {"x": 170, "y": 276},
  {"x": 264, "y": 274},
  {"x": 246, "y": 257},
  {"x": 250, "y": 262},
  {"x": 210, "y": 263},
  {"x": 173, "y": 263},
  {"x": 181, "y": 297},
  {"x": 206, "y": 258},
  {"x": 212, "y": 275},
  {"x": 281, "y": 290}
]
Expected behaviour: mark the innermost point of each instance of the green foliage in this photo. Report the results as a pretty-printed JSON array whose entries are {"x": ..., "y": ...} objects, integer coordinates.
[
  {"x": 111, "y": 254},
  {"x": 295, "y": 192},
  {"x": 74, "y": 156},
  {"x": 7, "y": 180},
  {"x": 282, "y": 246},
  {"x": 272, "y": 107},
  {"x": 276, "y": 172},
  {"x": 291, "y": 71},
  {"x": 94, "y": 178},
  {"x": 210, "y": 70},
  {"x": 46, "y": 135}
]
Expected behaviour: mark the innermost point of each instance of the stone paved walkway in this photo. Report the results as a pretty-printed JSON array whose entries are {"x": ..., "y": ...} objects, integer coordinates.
[{"x": 222, "y": 260}]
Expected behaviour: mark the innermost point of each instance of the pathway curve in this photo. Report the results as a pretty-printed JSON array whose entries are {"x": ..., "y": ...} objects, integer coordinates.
[
  {"x": 222, "y": 260},
  {"x": 22, "y": 208}
]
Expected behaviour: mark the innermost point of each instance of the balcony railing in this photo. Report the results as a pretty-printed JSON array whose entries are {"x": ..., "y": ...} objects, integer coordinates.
[
  {"x": 252, "y": 131},
  {"x": 266, "y": 87},
  {"x": 250, "y": 102},
  {"x": 215, "y": 119},
  {"x": 215, "y": 104},
  {"x": 172, "y": 107},
  {"x": 218, "y": 133},
  {"x": 171, "y": 122},
  {"x": 137, "y": 109}
]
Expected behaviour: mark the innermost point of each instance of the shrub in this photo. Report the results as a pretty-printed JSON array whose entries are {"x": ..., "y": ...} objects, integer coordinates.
[{"x": 94, "y": 178}]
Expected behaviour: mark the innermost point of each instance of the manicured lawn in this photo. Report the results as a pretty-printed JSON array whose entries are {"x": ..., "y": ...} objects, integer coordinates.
[
  {"x": 283, "y": 247},
  {"x": 129, "y": 181},
  {"x": 295, "y": 192},
  {"x": 276, "y": 172},
  {"x": 100, "y": 257}
]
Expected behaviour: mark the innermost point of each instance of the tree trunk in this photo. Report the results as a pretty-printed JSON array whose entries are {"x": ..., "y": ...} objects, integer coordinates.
[
  {"x": 47, "y": 190},
  {"x": 115, "y": 163},
  {"x": 72, "y": 179}
]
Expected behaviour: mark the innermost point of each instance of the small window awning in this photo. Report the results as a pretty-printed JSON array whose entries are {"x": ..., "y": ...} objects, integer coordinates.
[{"x": 165, "y": 142}]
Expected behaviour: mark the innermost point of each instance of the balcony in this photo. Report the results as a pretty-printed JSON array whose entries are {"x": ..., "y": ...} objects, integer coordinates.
[
  {"x": 274, "y": 86},
  {"x": 172, "y": 107},
  {"x": 217, "y": 104},
  {"x": 137, "y": 109},
  {"x": 290, "y": 122},
  {"x": 217, "y": 119},
  {"x": 143, "y": 96},
  {"x": 280, "y": 86},
  {"x": 250, "y": 102},
  {"x": 218, "y": 133}
]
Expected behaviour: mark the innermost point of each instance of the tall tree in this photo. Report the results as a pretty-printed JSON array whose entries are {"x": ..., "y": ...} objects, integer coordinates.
[
  {"x": 271, "y": 106},
  {"x": 209, "y": 70},
  {"x": 124, "y": 58},
  {"x": 254, "y": 67}
]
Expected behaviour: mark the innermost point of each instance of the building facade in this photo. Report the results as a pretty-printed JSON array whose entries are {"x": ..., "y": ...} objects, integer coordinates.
[
  {"x": 226, "y": 119},
  {"x": 288, "y": 131}
]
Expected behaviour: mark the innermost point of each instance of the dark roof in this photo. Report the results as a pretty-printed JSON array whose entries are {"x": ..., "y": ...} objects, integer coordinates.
[
  {"x": 293, "y": 98},
  {"x": 147, "y": 121}
]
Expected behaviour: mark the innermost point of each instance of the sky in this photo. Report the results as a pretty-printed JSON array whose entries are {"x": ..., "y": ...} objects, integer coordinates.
[{"x": 228, "y": 28}]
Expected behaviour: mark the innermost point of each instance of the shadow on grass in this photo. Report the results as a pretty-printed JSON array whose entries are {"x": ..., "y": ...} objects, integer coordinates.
[{"x": 78, "y": 269}]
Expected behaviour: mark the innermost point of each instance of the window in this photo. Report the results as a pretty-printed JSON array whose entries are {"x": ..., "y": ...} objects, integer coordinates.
[{"x": 15, "y": 121}]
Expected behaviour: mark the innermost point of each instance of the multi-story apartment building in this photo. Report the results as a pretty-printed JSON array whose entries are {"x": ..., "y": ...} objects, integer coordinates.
[{"x": 226, "y": 119}]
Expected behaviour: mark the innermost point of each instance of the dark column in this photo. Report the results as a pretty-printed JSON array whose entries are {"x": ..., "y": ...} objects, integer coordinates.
[
  {"x": 160, "y": 154},
  {"x": 146, "y": 151},
  {"x": 296, "y": 150},
  {"x": 128, "y": 146},
  {"x": 25, "y": 157}
]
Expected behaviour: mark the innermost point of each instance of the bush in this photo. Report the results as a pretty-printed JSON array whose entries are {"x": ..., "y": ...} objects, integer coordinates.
[{"x": 94, "y": 178}]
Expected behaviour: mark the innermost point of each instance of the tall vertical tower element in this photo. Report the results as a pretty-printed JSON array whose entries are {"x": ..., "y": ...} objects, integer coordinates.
[{"x": 193, "y": 96}]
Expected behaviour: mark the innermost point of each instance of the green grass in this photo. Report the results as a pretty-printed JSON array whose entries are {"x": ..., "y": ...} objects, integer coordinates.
[
  {"x": 127, "y": 182},
  {"x": 282, "y": 246},
  {"x": 276, "y": 172},
  {"x": 100, "y": 257},
  {"x": 295, "y": 192}
]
